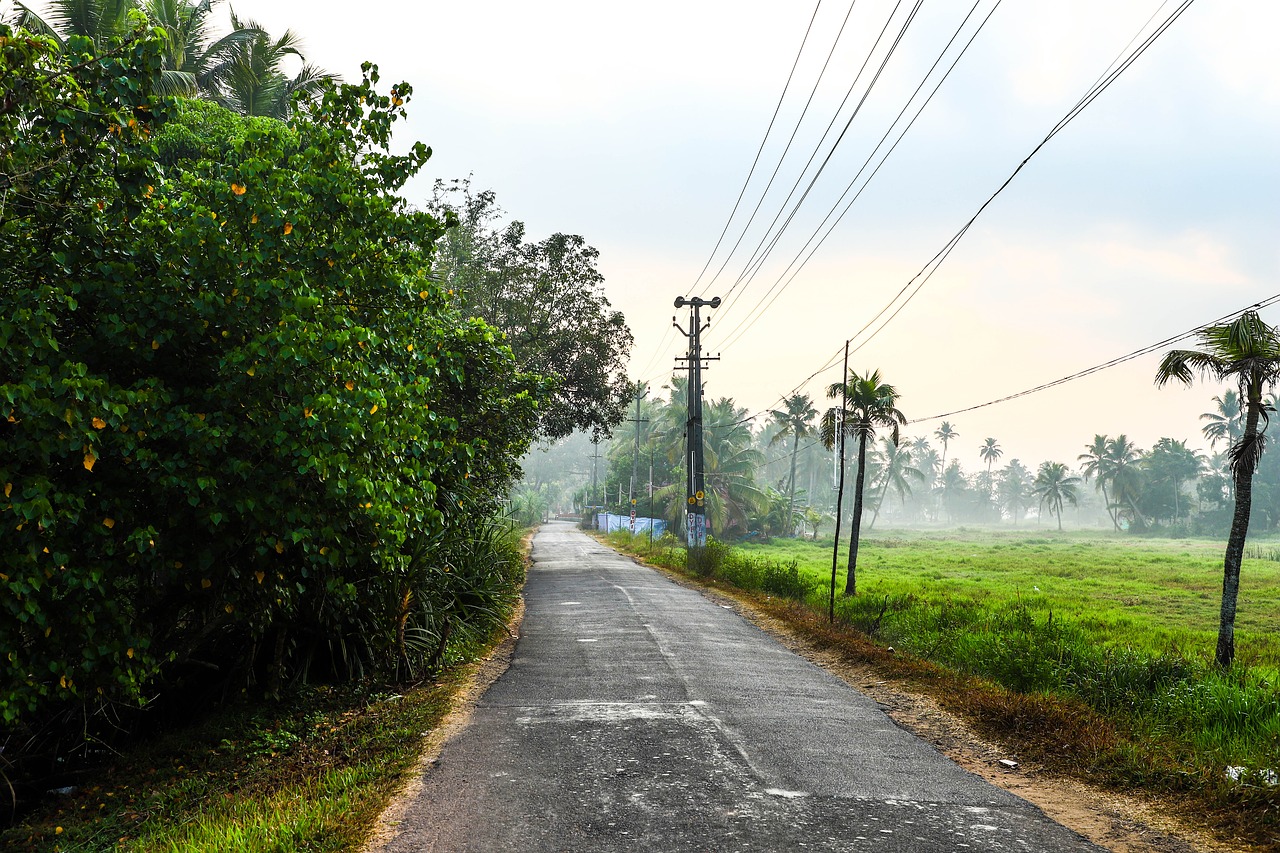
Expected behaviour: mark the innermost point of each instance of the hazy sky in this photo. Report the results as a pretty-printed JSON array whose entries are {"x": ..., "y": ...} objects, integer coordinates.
[{"x": 635, "y": 126}]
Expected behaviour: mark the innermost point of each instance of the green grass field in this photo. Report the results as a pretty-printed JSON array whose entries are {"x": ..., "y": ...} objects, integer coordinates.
[{"x": 1148, "y": 595}]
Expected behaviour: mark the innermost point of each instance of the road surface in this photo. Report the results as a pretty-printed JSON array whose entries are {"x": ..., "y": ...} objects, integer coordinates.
[{"x": 637, "y": 715}]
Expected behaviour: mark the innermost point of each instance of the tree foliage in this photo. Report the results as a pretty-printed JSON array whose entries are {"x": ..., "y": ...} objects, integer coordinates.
[
  {"x": 548, "y": 298},
  {"x": 240, "y": 422}
]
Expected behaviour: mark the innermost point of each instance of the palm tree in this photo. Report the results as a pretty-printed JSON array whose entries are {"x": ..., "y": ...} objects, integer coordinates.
[
  {"x": 869, "y": 403},
  {"x": 1123, "y": 473},
  {"x": 990, "y": 451},
  {"x": 1247, "y": 351},
  {"x": 100, "y": 20},
  {"x": 1226, "y": 423},
  {"x": 1095, "y": 466},
  {"x": 1053, "y": 485},
  {"x": 795, "y": 419},
  {"x": 730, "y": 461},
  {"x": 1014, "y": 489},
  {"x": 251, "y": 80},
  {"x": 192, "y": 58},
  {"x": 944, "y": 434},
  {"x": 1174, "y": 463},
  {"x": 896, "y": 472}
]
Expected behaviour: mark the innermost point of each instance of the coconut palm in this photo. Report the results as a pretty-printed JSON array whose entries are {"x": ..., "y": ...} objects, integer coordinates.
[
  {"x": 1053, "y": 486},
  {"x": 100, "y": 20},
  {"x": 1226, "y": 423},
  {"x": 1014, "y": 489},
  {"x": 730, "y": 461},
  {"x": 794, "y": 420},
  {"x": 895, "y": 472},
  {"x": 251, "y": 79},
  {"x": 945, "y": 434},
  {"x": 1247, "y": 352},
  {"x": 192, "y": 57},
  {"x": 869, "y": 403},
  {"x": 1095, "y": 466},
  {"x": 990, "y": 451},
  {"x": 1171, "y": 462},
  {"x": 1122, "y": 471}
]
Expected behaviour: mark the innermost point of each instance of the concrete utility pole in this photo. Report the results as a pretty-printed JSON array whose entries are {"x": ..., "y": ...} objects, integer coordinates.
[
  {"x": 695, "y": 483},
  {"x": 641, "y": 391},
  {"x": 595, "y": 458},
  {"x": 844, "y": 410}
]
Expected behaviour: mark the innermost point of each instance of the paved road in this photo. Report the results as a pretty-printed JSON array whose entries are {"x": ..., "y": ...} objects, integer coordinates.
[{"x": 639, "y": 716}]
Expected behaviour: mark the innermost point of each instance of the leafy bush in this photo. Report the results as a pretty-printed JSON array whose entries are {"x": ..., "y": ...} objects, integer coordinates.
[{"x": 241, "y": 426}]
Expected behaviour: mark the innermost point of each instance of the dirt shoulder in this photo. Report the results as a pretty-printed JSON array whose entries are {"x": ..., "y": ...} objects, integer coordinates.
[{"x": 1117, "y": 822}]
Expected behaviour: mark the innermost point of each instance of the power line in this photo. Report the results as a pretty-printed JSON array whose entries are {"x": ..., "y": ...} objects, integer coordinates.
[
  {"x": 751, "y": 173},
  {"x": 761, "y": 252},
  {"x": 786, "y": 149},
  {"x": 779, "y": 286},
  {"x": 927, "y": 271},
  {"x": 1138, "y": 353}
]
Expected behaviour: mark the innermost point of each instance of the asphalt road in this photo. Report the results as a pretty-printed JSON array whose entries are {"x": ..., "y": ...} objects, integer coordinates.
[{"x": 639, "y": 716}]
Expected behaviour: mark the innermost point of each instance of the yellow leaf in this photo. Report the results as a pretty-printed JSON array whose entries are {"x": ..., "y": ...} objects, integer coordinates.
[
  {"x": 230, "y": 607},
  {"x": 410, "y": 347},
  {"x": 62, "y": 682},
  {"x": 213, "y": 215},
  {"x": 351, "y": 386},
  {"x": 422, "y": 294},
  {"x": 238, "y": 189},
  {"x": 259, "y": 575},
  {"x": 155, "y": 345},
  {"x": 57, "y": 830},
  {"x": 89, "y": 460},
  {"x": 205, "y": 583},
  {"x": 306, "y": 413},
  {"x": 374, "y": 409},
  {"x": 8, "y": 489},
  {"x": 251, "y": 370},
  {"x": 331, "y": 262},
  {"x": 288, "y": 228},
  {"x": 150, "y": 190},
  {"x": 324, "y": 551},
  {"x": 129, "y": 653},
  {"x": 279, "y": 547},
  {"x": 99, "y": 423},
  {"x": 108, "y": 523},
  {"x": 67, "y": 416},
  {"x": 254, "y": 219}
]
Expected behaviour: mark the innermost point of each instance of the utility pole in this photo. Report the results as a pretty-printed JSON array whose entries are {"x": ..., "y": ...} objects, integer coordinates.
[
  {"x": 695, "y": 483},
  {"x": 835, "y": 549},
  {"x": 595, "y": 458},
  {"x": 641, "y": 391}
]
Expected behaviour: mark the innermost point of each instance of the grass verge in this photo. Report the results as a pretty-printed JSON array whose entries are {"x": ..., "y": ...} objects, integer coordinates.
[
  {"x": 1124, "y": 719},
  {"x": 312, "y": 772}
]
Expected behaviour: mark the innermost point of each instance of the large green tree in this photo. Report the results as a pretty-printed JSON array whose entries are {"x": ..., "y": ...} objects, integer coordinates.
[
  {"x": 238, "y": 420},
  {"x": 548, "y": 297},
  {"x": 869, "y": 404},
  {"x": 1246, "y": 352}
]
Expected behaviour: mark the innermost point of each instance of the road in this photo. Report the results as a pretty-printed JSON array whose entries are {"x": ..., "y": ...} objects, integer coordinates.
[{"x": 637, "y": 715}]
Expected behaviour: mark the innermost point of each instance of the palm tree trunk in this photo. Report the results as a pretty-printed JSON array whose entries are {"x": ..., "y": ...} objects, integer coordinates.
[
  {"x": 1115, "y": 518},
  {"x": 855, "y": 523},
  {"x": 1226, "y": 650}
]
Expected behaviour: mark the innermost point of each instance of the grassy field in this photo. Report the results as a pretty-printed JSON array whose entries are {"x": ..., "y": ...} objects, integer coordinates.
[{"x": 1151, "y": 595}]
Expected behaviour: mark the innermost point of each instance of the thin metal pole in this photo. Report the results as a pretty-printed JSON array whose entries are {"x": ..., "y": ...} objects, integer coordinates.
[{"x": 835, "y": 547}]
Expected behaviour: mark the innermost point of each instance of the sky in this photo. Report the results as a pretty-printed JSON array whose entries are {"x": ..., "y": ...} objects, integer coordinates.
[{"x": 1154, "y": 211}]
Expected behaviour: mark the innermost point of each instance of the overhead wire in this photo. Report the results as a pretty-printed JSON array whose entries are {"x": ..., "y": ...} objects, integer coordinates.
[
  {"x": 1104, "y": 81},
  {"x": 755, "y": 162},
  {"x": 760, "y": 253},
  {"x": 786, "y": 149},
  {"x": 927, "y": 271},
  {"x": 779, "y": 286}
]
